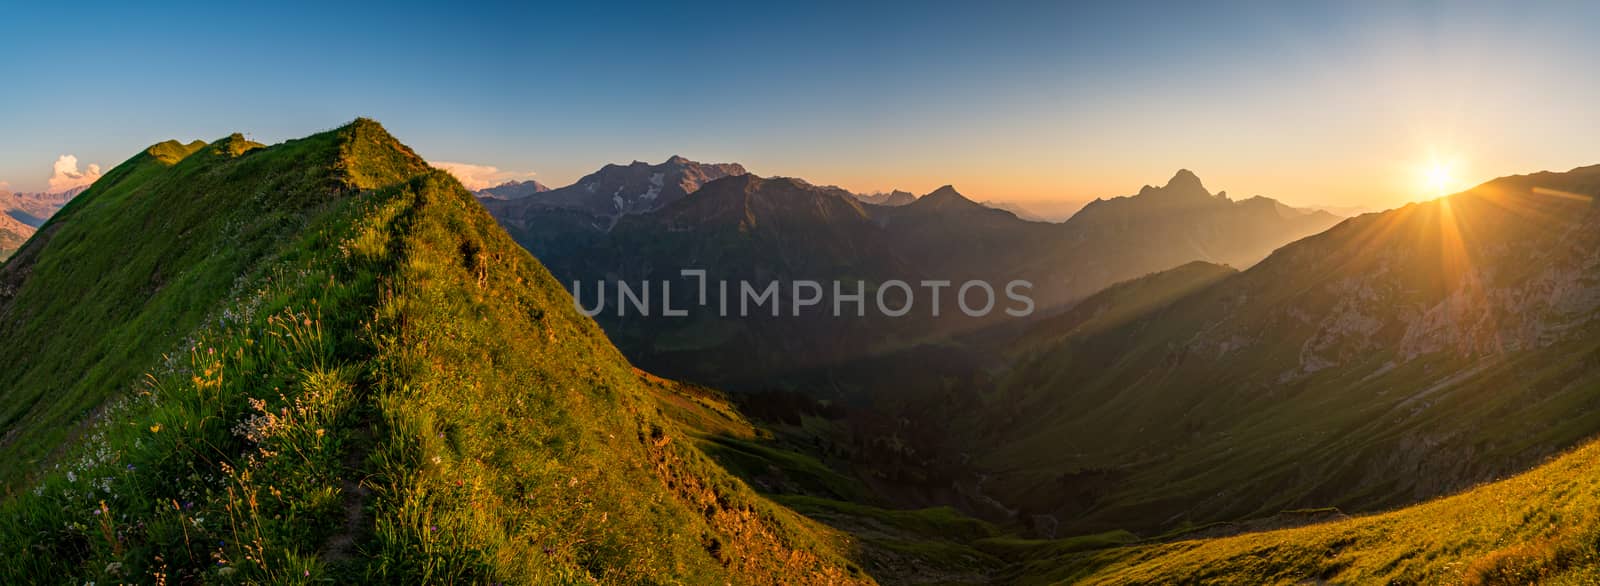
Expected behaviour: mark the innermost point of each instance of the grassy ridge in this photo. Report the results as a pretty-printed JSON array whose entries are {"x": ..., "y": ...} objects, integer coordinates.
[
  {"x": 123, "y": 274},
  {"x": 390, "y": 391}
]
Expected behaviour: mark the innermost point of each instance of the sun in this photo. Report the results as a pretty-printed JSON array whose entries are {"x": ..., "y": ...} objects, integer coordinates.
[{"x": 1438, "y": 176}]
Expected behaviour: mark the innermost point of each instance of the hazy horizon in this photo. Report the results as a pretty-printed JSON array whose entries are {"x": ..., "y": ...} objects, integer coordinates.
[{"x": 1342, "y": 106}]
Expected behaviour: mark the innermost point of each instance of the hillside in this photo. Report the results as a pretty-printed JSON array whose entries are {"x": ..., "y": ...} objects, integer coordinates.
[
  {"x": 1124, "y": 302},
  {"x": 1393, "y": 358},
  {"x": 322, "y": 360},
  {"x": 1538, "y": 527}
]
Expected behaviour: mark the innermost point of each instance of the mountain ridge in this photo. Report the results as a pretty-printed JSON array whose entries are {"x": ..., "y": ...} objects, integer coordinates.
[
  {"x": 513, "y": 190},
  {"x": 323, "y": 338}
]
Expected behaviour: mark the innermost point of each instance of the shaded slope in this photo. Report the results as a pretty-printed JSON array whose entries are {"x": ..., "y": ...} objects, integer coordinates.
[
  {"x": 392, "y": 392},
  {"x": 1126, "y": 301}
]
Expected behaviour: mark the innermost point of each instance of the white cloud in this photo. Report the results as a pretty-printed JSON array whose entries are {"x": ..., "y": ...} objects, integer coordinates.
[
  {"x": 476, "y": 177},
  {"x": 67, "y": 176}
]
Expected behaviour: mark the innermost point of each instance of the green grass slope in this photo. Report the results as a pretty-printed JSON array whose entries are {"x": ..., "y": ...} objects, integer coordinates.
[
  {"x": 322, "y": 360},
  {"x": 1542, "y": 526}
]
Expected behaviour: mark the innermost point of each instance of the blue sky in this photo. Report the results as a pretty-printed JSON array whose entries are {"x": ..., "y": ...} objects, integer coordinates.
[{"x": 1335, "y": 104}]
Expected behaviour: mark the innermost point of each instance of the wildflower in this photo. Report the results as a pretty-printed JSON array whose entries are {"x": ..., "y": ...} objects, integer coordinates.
[
  {"x": 114, "y": 568},
  {"x": 155, "y": 428},
  {"x": 433, "y": 528}
]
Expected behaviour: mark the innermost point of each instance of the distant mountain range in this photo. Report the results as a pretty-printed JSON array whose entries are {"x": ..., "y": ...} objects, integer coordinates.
[
  {"x": 1041, "y": 211},
  {"x": 512, "y": 190},
  {"x": 740, "y": 226},
  {"x": 24, "y": 213},
  {"x": 892, "y": 198},
  {"x": 618, "y": 190}
]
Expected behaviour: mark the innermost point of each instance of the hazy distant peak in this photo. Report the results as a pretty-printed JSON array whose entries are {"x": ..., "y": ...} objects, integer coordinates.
[
  {"x": 1184, "y": 186},
  {"x": 1186, "y": 180},
  {"x": 513, "y": 190},
  {"x": 893, "y": 198},
  {"x": 945, "y": 193}
]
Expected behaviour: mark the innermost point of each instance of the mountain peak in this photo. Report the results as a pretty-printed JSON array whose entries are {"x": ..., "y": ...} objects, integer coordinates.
[
  {"x": 172, "y": 151},
  {"x": 1185, "y": 180},
  {"x": 947, "y": 192},
  {"x": 1184, "y": 185},
  {"x": 368, "y": 157},
  {"x": 944, "y": 197},
  {"x": 513, "y": 190},
  {"x": 233, "y": 145},
  {"x": 677, "y": 160}
]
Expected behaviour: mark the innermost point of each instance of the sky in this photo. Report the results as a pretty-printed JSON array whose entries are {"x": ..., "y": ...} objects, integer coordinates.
[{"x": 1343, "y": 104}]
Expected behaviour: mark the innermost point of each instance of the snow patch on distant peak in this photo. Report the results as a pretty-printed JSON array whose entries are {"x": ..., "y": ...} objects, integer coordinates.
[{"x": 657, "y": 180}]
